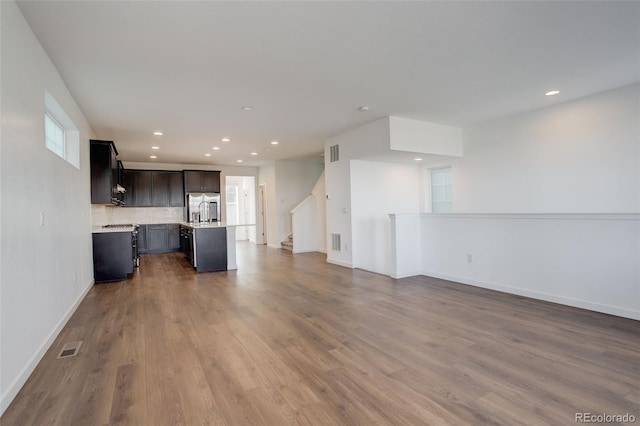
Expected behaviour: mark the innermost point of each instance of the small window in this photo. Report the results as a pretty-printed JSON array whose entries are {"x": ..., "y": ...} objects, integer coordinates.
[
  {"x": 60, "y": 134},
  {"x": 54, "y": 136},
  {"x": 441, "y": 190}
]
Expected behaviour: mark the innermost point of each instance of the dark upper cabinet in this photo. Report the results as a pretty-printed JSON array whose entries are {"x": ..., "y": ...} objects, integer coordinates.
[
  {"x": 142, "y": 188},
  {"x": 176, "y": 189},
  {"x": 159, "y": 189},
  {"x": 153, "y": 188},
  {"x": 104, "y": 172},
  {"x": 128, "y": 177},
  {"x": 201, "y": 181}
]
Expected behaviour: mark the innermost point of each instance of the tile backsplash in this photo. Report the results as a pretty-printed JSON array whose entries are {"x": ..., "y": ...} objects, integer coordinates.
[{"x": 104, "y": 215}]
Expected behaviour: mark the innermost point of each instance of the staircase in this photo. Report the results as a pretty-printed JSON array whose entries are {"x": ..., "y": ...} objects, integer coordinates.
[{"x": 288, "y": 243}]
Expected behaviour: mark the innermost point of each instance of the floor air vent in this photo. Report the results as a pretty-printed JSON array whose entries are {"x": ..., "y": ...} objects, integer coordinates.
[{"x": 70, "y": 349}]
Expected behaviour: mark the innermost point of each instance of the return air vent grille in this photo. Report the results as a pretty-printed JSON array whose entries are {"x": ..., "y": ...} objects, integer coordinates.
[
  {"x": 334, "y": 151},
  {"x": 70, "y": 349},
  {"x": 335, "y": 242}
]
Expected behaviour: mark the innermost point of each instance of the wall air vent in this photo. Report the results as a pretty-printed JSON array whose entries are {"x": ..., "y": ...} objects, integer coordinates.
[
  {"x": 335, "y": 242},
  {"x": 334, "y": 151}
]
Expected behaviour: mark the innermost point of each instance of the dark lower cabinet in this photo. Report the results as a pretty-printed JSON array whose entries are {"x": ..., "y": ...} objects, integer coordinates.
[
  {"x": 210, "y": 249},
  {"x": 159, "y": 238},
  {"x": 112, "y": 256}
]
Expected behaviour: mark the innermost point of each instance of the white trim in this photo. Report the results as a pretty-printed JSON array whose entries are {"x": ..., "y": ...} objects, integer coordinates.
[
  {"x": 399, "y": 275},
  {"x": 17, "y": 384},
  {"x": 577, "y": 303},
  {"x": 340, "y": 263},
  {"x": 540, "y": 216},
  {"x": 275, "y": 246}
]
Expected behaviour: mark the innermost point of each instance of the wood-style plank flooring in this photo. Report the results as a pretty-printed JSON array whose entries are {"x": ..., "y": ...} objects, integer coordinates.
[{"x": 290, "y": 339}]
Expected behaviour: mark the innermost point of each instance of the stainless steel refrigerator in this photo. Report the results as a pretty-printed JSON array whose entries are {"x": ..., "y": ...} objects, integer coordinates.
[{"x": 203, "y": 207}]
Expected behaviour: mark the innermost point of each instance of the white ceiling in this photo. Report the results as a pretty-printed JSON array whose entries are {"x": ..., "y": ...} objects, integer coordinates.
[{"x": 187, "y": 68}]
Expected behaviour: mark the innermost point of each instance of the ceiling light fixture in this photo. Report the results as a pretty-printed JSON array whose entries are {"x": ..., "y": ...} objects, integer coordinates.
[
  {"x": 225, "y": 140},
  {"x": 364, "y": 108},
  {"x": 417, "y": 159},
  {"x": 153, "y": 156},
  {"x": 552, "y": 92},
  {"x": 239, "y": 161},
  {"x": 208, "y": 154},
  {"x": 274, "y": 142},
  {"x": 247, "y": 108},
  {"x": 155, "y": 147},
  {"x": 158, "y": 133},
  {"x": 254, "y": 153},
  {"x": 216, "y": 148}
]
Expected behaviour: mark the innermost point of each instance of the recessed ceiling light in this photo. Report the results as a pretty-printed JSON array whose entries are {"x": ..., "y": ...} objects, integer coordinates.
[
  {"x": 239, "y": 161},
  {"x": 216, "y": 148},
  {"x": 552, "y": 92},
  {"x": 158, "y": 133},
  {"x": 153, "y": 156},
  {"x": 208, "y": 154},
  {"x": 155, "y": 147},
  {"x": 274, "y": 142},
  {"x": 417, "y": 159},
  {"x": 254, "y": 153},
  {"x": 247, "y": 108},
  {"x": 225, "y": 140},
  {"x": 364, "y": 108}
]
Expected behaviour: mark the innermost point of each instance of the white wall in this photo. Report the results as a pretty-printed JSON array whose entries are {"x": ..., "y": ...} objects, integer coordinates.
[
  {"x": 583, "y": 260},
  {"x": 579, "y": 156},
  {"x": 294, "y": 181},
  {"x": 421, "y": 136},
  {"x": 578, "y": 162},
  {"x": 368, "y": 139},
  {"x": 378, "y": 189},
  {"x": 45, "y": 270},
  {"x": 267, "y": 177}
]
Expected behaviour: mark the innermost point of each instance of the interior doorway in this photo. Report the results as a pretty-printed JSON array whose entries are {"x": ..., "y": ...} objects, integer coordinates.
[{"x": 240, "y": 204}]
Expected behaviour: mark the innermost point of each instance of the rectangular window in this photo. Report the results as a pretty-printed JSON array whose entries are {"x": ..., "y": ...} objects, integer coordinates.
[
  {"x": 60, "y": 134},
  {"x": 54, "y": 136},
  {"x": 441, "y": 190}
]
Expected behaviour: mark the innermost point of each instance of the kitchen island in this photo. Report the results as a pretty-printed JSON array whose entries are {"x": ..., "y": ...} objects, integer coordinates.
[{"x": 209, "y": 246}]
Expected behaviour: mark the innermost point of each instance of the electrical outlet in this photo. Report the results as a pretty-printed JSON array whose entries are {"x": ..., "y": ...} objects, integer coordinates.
[{"x": 469, "y": 258}]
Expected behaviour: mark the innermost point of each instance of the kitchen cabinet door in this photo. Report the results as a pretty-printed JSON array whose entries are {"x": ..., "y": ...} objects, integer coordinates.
[
  {"x": 193, "y": 181},
  {"x": 202, "y": 181},
  {"x": 173, "y": 233},
  {"x": 128, "y": 178},
  {"x": 157, "y": 237},
  {"x": 142, "y": 189},
  {"x": 159, "y": 189},
  {"x": 211, "y": 181},
  {"x": 104, "y": 171},
  {"x": 176, "y": 189},
  {"x": 142, "y": 239}
]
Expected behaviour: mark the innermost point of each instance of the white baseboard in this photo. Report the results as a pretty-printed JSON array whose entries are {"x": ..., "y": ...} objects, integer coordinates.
[
  {"x": 577, "y": 303},
  {"x": 17, "y": 384},
  {"x": 399, "y": 275},
  {"x": 340, "y": 263}
]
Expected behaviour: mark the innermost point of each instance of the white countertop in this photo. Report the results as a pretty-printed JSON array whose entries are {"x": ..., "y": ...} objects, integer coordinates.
[{"x": 99, "y": 229}]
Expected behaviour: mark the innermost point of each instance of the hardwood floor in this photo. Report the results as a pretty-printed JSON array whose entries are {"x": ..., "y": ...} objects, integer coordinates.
[{"x": 290, "y": 339}]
